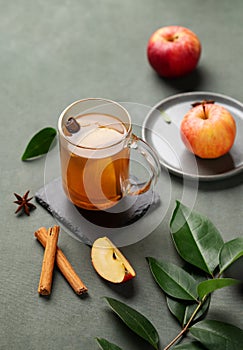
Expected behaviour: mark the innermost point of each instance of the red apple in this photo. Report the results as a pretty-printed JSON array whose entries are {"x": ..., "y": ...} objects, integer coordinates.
[
  {"x": 208, "y": 130},
  {"x": 109, "y": 262},
  {"x": 173, "y": 51}
]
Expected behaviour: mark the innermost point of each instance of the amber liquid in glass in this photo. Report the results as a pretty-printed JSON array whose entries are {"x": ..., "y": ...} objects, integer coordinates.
[{"x": 95, "y": 161}]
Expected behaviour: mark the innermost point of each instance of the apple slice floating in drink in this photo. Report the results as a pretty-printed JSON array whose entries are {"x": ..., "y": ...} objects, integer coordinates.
[
  {"x": 208, "y": 130},
  {"x": 109, "y": 262}
]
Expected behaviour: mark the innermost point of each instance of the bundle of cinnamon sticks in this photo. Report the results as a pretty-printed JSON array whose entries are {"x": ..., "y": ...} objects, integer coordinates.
[{"x": 48, "y": 239}]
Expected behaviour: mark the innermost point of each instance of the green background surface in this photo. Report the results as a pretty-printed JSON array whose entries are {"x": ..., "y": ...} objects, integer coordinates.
[{"x": 51, "y": 54}]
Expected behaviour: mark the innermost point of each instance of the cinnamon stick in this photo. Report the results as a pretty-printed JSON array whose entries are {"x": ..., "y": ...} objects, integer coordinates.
[
  {"x": 63, "y": 264},
  {"x": 48, "y": 261}
]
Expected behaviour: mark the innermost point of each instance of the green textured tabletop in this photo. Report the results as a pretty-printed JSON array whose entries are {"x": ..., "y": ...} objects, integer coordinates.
[{"x": 51, "y": 54}]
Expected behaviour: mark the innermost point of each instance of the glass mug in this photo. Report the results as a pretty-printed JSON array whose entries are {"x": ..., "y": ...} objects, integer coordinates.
[{"x": 95, "y": 139}]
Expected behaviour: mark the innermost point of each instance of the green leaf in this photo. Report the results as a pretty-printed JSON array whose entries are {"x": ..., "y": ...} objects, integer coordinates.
[
  {"x": 173, "y": 279},
  {"x": 105, "y": 345},
  {"x": 138, "y": 323},
  {"x": 230, "y": 252},
  {"x": 196, "y": 238},
  {"x": 183, "y": 310},
  {"x": 210, "y": 286},
  {"x": 190, "y": 346},
  {"x": 39, "y": 143},
  {"x": 179, "y": 309},
  {"x": 216, "y": 335}
]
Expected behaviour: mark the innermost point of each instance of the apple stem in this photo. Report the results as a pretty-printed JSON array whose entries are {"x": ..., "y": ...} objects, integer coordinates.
[
  {"x": 203, "y": 103},
  {"x": 204, "y": 112}
]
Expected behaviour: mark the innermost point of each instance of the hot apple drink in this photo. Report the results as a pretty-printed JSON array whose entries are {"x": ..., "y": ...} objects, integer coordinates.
[
  {"x": 95, "y": 137},
  {"x": 94, "y": 160}
]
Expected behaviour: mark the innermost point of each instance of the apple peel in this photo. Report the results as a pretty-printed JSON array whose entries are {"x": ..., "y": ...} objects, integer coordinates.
[{"x": 109, "y": 262}]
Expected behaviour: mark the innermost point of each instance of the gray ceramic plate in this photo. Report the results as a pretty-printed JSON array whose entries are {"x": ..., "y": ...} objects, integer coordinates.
[{"x": 165, "y": 138}]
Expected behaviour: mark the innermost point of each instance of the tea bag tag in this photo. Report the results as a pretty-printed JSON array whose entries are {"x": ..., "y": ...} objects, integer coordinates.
[{"x": 72, "y": 125}]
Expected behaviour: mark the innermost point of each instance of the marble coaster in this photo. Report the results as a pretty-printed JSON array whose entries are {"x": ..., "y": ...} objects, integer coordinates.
[{"x": 87, "y": 225}]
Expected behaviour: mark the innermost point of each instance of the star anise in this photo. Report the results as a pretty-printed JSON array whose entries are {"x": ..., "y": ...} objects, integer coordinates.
[{"x": 24, "y": 203}]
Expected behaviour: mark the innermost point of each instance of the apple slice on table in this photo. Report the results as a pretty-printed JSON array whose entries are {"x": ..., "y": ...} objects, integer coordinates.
[{"x": 109, "y": 262}]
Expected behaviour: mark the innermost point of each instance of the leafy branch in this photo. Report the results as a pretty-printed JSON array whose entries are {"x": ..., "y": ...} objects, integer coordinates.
[{"x": 201, "y": 246}]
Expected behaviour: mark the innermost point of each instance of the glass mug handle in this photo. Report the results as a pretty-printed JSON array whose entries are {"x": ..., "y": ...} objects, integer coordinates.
[{"x": 151, "y": 158}]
